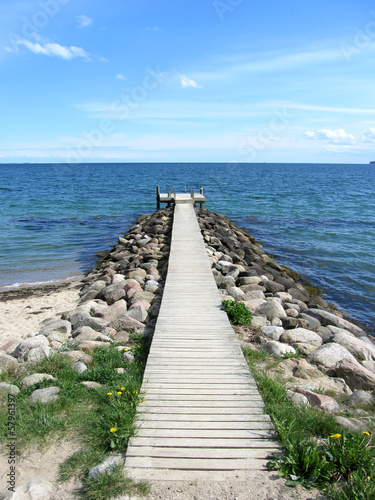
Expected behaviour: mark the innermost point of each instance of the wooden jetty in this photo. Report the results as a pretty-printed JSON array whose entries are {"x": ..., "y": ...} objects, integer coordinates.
[
  {"x": 202, "y": 415},
  {"x": 170, "y": 198}
]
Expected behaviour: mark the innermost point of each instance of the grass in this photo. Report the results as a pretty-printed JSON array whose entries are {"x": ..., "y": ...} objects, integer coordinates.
[
  {"x": 102, "y": 419},
  {"x": 316, "y": 451},
  {"x": 237, "y": 312}
]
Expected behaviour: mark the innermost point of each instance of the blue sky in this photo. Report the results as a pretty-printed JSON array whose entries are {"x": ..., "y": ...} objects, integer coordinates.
[{"x": 187, "y": 80}]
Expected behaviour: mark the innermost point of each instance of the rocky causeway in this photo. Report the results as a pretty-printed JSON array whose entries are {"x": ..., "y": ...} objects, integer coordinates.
[{"x": 318, "y": 348}]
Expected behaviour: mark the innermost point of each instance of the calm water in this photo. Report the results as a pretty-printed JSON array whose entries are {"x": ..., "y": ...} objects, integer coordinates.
[{"x": 318, "y": 219}]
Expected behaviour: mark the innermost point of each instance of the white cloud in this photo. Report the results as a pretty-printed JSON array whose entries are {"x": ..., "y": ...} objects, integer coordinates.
[
  {"x": 188, "y": 82},
  {"x": 369, "y": 135},
  {"x": 120, "y": 76},
  {"x": 51, "y": 49},
  {"x": 83, "y": 21},
  {"x": 338, "y": 136}
]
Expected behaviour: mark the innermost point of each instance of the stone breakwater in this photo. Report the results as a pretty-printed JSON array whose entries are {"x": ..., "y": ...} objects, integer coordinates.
[{"x": 124, "y": 293}]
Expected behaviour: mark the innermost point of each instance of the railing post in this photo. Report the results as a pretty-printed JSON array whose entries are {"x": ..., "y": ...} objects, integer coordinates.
[{"x": 157, "y": 197}]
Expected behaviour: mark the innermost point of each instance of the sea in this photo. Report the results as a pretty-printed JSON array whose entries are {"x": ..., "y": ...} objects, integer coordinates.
[{"x": 318, "y": 219}]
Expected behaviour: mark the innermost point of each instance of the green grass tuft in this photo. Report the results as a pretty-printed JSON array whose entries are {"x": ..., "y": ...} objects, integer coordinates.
[{"x": 237, "y": 312}]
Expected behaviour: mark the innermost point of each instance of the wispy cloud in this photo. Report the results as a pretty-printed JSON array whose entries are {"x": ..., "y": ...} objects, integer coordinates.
[
  {"x": 83, "y": 21},
  {"x": 329, "y": 109},
  {"x": 187, "y": 82},
  {"x": 49, "y": 49},
  {"x": 120, "y": 76},
  {"x": 338, "y": 136}
]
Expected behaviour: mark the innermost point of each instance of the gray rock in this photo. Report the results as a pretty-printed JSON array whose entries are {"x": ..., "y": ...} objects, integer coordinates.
[
  {"x": 291, "y": 313},
  {"x": 84, "y": 319},
  {"x": 272, "y": 332},
  {"x": 326, "y": 318},
  {"x": 35, "y": 378},
  {"x": 140, "y": 273},
  {"x": 325, "y": 403},
  {"x": 355, "y": 375},
  {"x": 87, "y": 333},
  {"x": 225, "y": 281},
  {"x": 141, "y": 296},
  {"x": 91, "y": 385},
  {"x": 126, "y": 323},
  {"x": 352, "y": 424},
  {"x": 107, "y": 464},
  {"x": 112, "y": 312},
  {"x": 112, "y": 293},
  {"x": 31, "y": 490},
  {"x": 79, "y": 367},
  {"x": 138, "y": 313},
  {"x": 312, "y": 322},
  {"x": 299, "y": 293},
  {"x": 277, "y": 348},
  {"x": 303, "y": 336},
  {"x": 360, "y": 350},
  {"x": 88, "y": 345},
  {"x": 236, "y": 293},
  {"x": 272, "y": 309},
  {"x": 128, "y": 356},
  {"x": 259, "y": 322},
  {"x": 297, "y": 399},
  {"x": 8, "y": 364},
  {"x": 79, "y": 356},
  {"x": 37, "y": 354},
  {"x": 48, "y": 395},
  {"x": 24, "y": 347},
  {"x": 359, "y": 398},
  {"x": 328, "y": 355},
  {"x": 60, "y": 326},
  {"x": 249, "y": 280},
  {"x": 325, "y": 333},
  {"x": 6, "y": 389}
]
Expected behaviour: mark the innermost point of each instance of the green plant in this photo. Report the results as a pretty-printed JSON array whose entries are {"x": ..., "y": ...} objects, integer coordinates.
[{"x": 237, "y": 312}]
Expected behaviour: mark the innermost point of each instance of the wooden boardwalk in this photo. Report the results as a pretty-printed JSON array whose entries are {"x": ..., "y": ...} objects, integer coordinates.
[{"x": 202, "y": 415}]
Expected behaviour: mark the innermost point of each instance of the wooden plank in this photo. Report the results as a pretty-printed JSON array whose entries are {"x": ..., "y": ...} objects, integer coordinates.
[
  {"x": 200, "y": 442},
  {"x": 186, "y": 452},
  {"x": 226, "y": 425},
  {"x": 207, "y": 433},
  {"x": 202, "y": 417},
  {"x": 192, "y": 463}
]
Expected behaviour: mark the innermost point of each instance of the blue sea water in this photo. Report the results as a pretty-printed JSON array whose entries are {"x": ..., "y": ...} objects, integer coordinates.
[{"x": 318, "y": 219}]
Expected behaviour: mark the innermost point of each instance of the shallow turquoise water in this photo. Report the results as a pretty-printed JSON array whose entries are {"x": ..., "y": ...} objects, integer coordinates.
[{"x": 318, "y": 219}]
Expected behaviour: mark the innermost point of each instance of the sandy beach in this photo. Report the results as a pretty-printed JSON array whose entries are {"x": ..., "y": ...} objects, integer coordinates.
[{"x": 23, "y": 309}]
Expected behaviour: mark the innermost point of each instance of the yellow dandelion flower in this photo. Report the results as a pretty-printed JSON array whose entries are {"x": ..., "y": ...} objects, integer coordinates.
[
  {"x": 367, "y": 433},
  {"x": 122, "y": 388},
  {"x": 335, "y": 436},
  {"x": 125, "y": 349},
  {"x": 109, "y": 393},
  {"x": 113, "y": 429},
  {"x": 119, "y": 393}
]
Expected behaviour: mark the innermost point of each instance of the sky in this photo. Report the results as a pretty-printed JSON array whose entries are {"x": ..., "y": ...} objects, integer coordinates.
[{"x": 187, "y": 81}]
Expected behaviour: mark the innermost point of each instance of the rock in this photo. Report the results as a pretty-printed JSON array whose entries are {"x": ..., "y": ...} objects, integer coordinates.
[
  {"x": 112, "y": 293},
  {"x": 141, "y": 273},
  {"x": 249, "y": 280},
  {"x": 284, "y": 296},
  {"x": 235, "y": 292},
  {"x": 79, "y": 356},
  {"x": 306, "y": 371},
  {"x": 359, "y": 398},
  {"x": 299, "y": 293},
  {"x": 292, "y": 313},
  {"x": 26, "y": 345},
  {"x": 326, "y": 318},
  {"x": 360, "y": 350},
  {"x": 32, "y": 490},
  {"x": 88, "y": 345},
  {"x": 259, "y": 321},
  {"x": 129, "y": 357},
  {"x": 37, "y": 354},
  {"x": 297, "y": 399},
  {"x": 35, "y": 378},
  {"x": 321, "y": 384},
  {"x": 272, "y": 309},
  {"x": 91, "y": 385},
  {"x": 8, "y": 364},
  {"x": 324, "y": 333},
  {"x": 142, "y": 303},
  {"x": 121, "y": 336},
  {"x": 328, "y": 355},
  {"x": 140, "y": 296},
  {"x": 355, "y": 375},
  {"x": 312, "y": 322},
  {"x": 352, "y": 424},
  {"x": 138, "y": 313},
  {"x": 272, "y": 332},
  {"x": 6, "y": 389},
  {"x": 225, "y": 281},
  {"x": 254, "y": 305},
  {"x": 301, "y": 336},
  {"x": 133, "y": 286},
  {"x": 126, "y": 323},
  {"x": 107, "y": 464},
  {"x": 61, "y": 326},
  {"x": 326, "y": 403},
  {"x": 112, "y": 312},
  {"x": 79, "y": 367},
  {"x": 277, "y": 348},
  {"x": 48, "y": 395},
  {"x": 87, "y": 333},
  {"x": 84, "y": 319}
]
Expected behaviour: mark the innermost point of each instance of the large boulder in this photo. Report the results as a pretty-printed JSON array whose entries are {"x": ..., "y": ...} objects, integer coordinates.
[
  {"x": 8, "y": 364},
  {"x": 61, "y": 326},
  {"x": 325, "y": 403},
  {"x": 301, "y": 336},
  {"x": 326, "y": 318},
  {"x": 277, "y": 348},
  {"x": 35, "y": 378},
  {"x": 6, "y": 388},
  {"x": 355, "y": 375},
  {"x": 361, "y": 350},
  {"x": 22, "y": 350},
  {"x": 272, "y": 309},
  {"x": 328, "y": 355},
  {"x": 85, "y": 319},
  {"x": 113, "y": 311},
  {"x": 48, "y": 395}
]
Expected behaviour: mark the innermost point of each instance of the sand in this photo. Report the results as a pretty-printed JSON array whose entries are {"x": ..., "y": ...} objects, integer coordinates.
[{"x": 22, "y": 310}]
